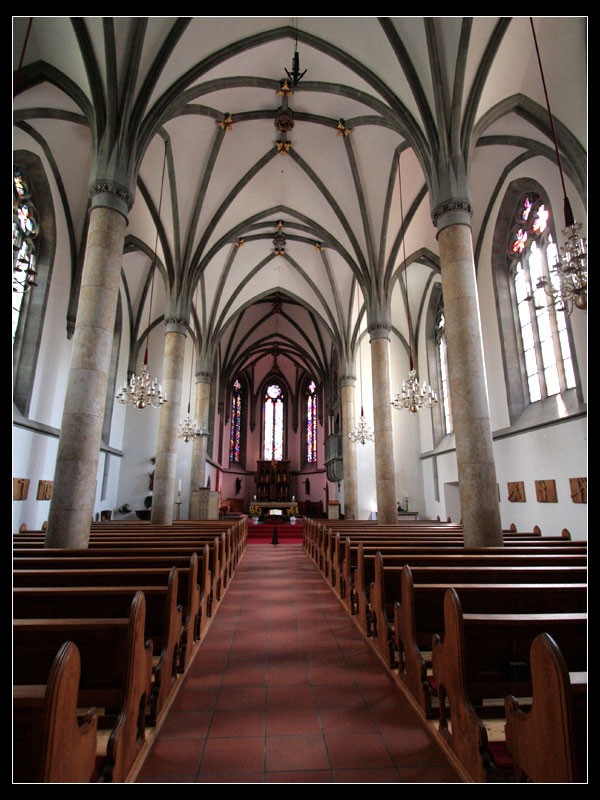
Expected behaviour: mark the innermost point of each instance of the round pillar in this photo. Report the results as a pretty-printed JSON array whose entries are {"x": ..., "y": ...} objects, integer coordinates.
[
  {"x": 385, "y": 471},
  {"x": 349, "y": 455}
]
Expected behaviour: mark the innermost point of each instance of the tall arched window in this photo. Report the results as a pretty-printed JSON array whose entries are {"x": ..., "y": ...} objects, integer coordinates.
[
  {"x": 442, "y": 363},
  {"x": 24, "y": 232},
  {"x": 274, "y": 427},
  {"x": 311, "y": 423},
  {"x": 544, "y": 338},
  {"x": 235, "y": 438}
]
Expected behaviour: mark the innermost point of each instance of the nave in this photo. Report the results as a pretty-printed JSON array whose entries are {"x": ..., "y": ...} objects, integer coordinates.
[{"x": 284, "y": 688}]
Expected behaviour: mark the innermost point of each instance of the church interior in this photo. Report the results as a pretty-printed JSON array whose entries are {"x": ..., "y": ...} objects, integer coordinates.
[{"x": 274, "y": 274}]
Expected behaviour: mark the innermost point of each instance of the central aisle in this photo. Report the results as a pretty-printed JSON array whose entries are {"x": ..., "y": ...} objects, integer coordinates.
[{"x": 285, "y": 689}]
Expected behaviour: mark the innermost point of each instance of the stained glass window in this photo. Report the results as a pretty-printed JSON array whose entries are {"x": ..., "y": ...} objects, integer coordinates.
[
  {"x": 236, "y": 423},
  {"x": 273, "y": 423},
  {"x": 311, "y": 423},
  {"x": 25, "y": 230},
  {"x": 442, "y": 357},
  {"x": 544, "y": 335}
]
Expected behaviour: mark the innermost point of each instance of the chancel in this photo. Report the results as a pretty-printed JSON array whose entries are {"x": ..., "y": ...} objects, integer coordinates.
[{"x": 356, "y": 249}]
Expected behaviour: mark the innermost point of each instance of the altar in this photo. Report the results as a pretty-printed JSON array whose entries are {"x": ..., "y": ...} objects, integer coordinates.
[{"x": 267, "y": 508}]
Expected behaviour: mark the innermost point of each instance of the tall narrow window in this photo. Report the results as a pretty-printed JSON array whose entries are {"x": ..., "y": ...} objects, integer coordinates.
[
  {"x": 442, "y": 358},
  {"x": 273, "y": 412},
  {"x": 311, "y": 423},
  {"x": 25, "y": 231},
  {"x": 235, "y": 438},
  {"x": 543, "y": 328}
]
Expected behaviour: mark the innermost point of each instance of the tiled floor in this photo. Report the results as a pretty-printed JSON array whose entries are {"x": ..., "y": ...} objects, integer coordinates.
[{"x": 285, "y": 689}]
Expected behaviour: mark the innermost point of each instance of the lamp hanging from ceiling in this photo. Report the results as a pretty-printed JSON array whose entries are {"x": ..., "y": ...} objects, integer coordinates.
[
  {"x": 414, "y": 395},
  {"x": 362, "y": 433},
  {"x": 188, "y": 427},
  {"x": 567, "y": 287},
  {"x": 141, "y": 391}
]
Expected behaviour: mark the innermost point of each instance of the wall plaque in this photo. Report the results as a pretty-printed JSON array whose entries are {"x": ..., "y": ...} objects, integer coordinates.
[
  {"x": 545, "y": 491},
  {"x": 578, "y": 489},
  {"x": 516, "y": 492}
]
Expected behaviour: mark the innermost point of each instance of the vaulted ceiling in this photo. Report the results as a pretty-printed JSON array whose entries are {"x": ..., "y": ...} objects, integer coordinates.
[{"x": 275, "y": 206}]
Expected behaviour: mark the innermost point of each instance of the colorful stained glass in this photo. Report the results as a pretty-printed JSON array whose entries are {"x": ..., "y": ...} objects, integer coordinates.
[
  {"x": 311, "y": 423},
  {"x": 236, "y": 423},
  {"x": 273, "y": 423}
]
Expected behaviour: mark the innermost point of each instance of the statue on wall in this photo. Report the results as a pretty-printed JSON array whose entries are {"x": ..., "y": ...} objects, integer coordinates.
[
  {"x": 307, "y": 486},
  {"x": 238, "y": 485}
]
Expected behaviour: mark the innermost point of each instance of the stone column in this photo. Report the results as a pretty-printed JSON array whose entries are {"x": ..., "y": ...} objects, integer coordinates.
[
  {"x": 385, "y": 471},
  {"x": 200, "y": 443},
  {"x": 348, "y": 384},
  {"x": 163, "y": 499},
  {"x": 480, "y": 508},
  {"x": 74, "y": 489}
]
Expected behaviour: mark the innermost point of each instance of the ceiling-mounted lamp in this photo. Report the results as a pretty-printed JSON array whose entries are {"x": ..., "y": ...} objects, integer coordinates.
[
  {"x": 414, "y": 395},
  {"x": 567, "y": 288},
  {"x": 362, "y": 433},
  {"x": 295, "y": 76},
  {"x": 141, "y": 391},
  {"x": 188, "y": 427}
]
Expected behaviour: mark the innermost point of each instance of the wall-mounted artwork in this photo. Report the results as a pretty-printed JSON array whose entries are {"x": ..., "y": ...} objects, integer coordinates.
[
  {"x": 545, "y": 491},
  {"x": 516, "y": 492},
  {"x": 44, "y": 491},
  {"x": 578, "y": 489},
  {"x": 20, "y": 488}
]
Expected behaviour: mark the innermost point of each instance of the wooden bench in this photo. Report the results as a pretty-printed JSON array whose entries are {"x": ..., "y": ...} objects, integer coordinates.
[
  {"x": 221, "y": 570},
  {"x": 59, "y": 561},
  {"x": 116, "y": 675},
  {"x": 419, "y": 614},
  {"x": 193, "y": 596},
  {"x": 163, "y": 622},
  {"x": 548, "y": 743},
  {"x": 478, "y": 660},
  {"x": 491, "y": 557},
  {"x": 53, "y": 742}
]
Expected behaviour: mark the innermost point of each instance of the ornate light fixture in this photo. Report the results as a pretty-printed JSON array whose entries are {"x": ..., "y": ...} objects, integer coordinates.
[
  {"x": 141, "y": 391},
  {"x": 188, "y": 428},
  {"x": 567, "y": 287},
  {"x": 295, "y": 75},
  {"x": 414, "y": 395},
  {"x": 362, "y": 433}
]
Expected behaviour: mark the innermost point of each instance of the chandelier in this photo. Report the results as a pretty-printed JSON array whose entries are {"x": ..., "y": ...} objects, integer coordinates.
[
  {"x": 414, "y": 395},
  {"x": 567, "y": 287},
  {"x": 188, "y": 428},
  {"x": 141, "y": 391},
  {"x": 362, "y": 433}
]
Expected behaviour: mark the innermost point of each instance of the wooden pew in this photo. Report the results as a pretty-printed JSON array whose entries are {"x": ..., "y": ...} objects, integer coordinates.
[
  {"x": 143, "y": 554},
  {"x": 116, "y": 675},
  {"x": 163, "y": 622},
  {"x": 52, "y": 741},
  {"x": 478, "y": 660},
  {"x": 548, "y": 743},
  {"x": 419, "y": 614},
  {"x": 135, "y": 560},
  {"x": 492, "y": 557}
]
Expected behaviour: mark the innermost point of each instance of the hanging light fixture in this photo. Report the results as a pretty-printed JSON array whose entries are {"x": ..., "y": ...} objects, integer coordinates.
[
  {"x": 567, "y": 287},
  {"x": 188, "y": 428},
  {"x": 414, "y": 395},
  {"x": 141, "y": 391},
  {"x": 362, "y": 433}
]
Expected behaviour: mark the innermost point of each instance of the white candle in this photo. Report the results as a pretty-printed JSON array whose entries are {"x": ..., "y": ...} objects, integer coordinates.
[{"x": 179, "y": 486}]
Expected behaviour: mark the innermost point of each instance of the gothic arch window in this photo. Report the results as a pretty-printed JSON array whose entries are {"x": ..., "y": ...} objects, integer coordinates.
[
  {"x": 442, "y": 367},
  {"x": 310, "y": 423},
  {"x": 437, "y": 362},
  {"x": 274, "y": 414},
  {"x": 34, "y": 244},
  {"x": 235, "y": 437},
  {"x": 535, "y": 338},
  {"x": 542, "y": 328}
]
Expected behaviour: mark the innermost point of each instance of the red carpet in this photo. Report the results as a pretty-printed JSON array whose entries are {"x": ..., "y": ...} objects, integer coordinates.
[{"x": 262, "y": 533}]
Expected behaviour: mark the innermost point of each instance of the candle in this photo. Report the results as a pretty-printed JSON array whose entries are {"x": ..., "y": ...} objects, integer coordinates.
[{"x": 179, "y": 486}]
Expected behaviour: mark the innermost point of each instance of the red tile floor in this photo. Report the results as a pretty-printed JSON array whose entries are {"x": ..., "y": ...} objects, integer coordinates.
[{"x": 285, "y": 689}]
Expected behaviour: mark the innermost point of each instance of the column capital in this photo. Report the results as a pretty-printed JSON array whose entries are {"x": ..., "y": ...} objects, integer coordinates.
[
  {"x": 455, "y": 211},
  {"x": 348, "y": 380},
  {"x": 108, "y": 193},
  {"x": 379, "y": 330},
  {"x": 204, "y": 376},
  {"x": 173, "y": 325}
]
